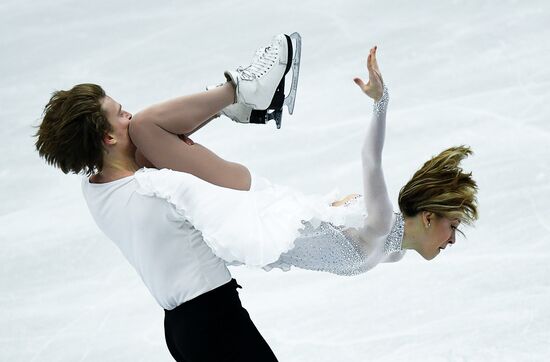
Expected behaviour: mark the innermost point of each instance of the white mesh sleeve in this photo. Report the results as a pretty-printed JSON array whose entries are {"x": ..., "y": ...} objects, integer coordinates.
[{"x": 378, "y": 204}]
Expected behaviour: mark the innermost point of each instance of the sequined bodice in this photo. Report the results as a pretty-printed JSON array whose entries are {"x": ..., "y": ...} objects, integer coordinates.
[
  {"x": 333, "y": 249},
  {"x": 394, "y": 240}
]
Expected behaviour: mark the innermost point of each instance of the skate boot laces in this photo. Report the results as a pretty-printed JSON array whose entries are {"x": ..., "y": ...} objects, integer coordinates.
[{"x": 263, "y": 61}]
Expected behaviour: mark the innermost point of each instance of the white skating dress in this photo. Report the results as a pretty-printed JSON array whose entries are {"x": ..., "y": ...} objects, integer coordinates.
[{"x": 274, "y": 226}]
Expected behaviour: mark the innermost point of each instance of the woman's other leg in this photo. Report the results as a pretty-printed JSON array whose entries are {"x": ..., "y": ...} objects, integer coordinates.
[
  {"x": 155, "y": 130},
  {"x": 343, "y": 201}
]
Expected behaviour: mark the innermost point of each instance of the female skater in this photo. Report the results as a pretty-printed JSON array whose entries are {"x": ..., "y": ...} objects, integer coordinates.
[{"x": 252, "y": 221}]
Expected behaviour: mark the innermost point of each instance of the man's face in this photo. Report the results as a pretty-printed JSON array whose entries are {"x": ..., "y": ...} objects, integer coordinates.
[{"x": 120, "y": 121}]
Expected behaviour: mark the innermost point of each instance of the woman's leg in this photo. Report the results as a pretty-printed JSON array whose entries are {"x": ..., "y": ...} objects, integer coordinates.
[
  {"x": 183, "y": 114},
  {"x": 155, "y": 130}
]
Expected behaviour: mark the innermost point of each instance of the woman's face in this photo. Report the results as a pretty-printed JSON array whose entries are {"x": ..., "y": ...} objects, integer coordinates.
[{"x": 439, "y": 234}]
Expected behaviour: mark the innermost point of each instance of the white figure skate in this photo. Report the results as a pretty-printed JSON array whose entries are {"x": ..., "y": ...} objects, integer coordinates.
[
  {"x": 255, "y": 84},
  {"x": 242, "y": 113}
]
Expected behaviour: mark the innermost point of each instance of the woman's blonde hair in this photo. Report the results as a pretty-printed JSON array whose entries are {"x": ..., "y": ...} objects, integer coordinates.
[{"x": 440, "y": 186}]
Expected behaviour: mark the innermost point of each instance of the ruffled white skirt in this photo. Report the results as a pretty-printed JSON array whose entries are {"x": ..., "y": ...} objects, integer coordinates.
[{"x": 252, "y": 227}]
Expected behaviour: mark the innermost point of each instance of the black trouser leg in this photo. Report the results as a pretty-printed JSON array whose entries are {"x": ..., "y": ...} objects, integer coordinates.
[{"x": 215, "y": 327}]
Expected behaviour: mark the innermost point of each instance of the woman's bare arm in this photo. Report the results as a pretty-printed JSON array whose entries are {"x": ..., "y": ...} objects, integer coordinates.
[{"x": 154, "y": 131}]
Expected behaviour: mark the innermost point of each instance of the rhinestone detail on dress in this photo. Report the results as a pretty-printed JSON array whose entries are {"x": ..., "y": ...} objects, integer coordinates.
[
  {"x": 382, "y": 103},
  {"x": 324, "y": 248},
  {"x": 394, "y": 241}
]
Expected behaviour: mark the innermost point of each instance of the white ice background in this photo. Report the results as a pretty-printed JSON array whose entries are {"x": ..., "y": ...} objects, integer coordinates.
[{"x": 459, "y": 72}]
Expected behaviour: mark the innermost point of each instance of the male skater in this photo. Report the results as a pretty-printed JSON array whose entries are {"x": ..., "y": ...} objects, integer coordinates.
[{"x": 86, "y": 131}]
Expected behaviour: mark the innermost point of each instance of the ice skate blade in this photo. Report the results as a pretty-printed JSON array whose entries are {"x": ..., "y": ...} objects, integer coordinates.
[{"x": 290, "y": 100}]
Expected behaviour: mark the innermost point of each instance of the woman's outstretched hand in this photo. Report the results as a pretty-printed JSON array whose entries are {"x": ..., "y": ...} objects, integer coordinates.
[{"x": 375, "y": 87}]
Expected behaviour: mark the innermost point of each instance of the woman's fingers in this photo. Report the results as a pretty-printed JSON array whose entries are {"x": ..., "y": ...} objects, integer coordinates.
[
  {"x": 361, "y": 84},
  {"x": 369, "y": 62},
  {"x": 375, "y": 77},
  {"x": 374, "y": 62},
  {"x": 374, "y": 66}
]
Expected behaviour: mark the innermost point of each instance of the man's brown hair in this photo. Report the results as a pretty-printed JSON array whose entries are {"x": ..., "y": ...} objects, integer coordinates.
[{"x": 70, "y": 135}]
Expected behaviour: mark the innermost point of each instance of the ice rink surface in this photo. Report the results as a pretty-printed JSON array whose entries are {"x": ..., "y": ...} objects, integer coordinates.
[{"x": 459, "y": 72}]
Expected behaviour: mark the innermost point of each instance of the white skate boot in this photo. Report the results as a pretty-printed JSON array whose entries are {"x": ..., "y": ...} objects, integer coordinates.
[
  {"x": 241, "y": 113},
  {"x": 255, "y": 83}
]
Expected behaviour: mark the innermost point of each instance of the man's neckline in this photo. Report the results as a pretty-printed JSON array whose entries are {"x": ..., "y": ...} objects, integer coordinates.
[{"x": 91, "y": 182}]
